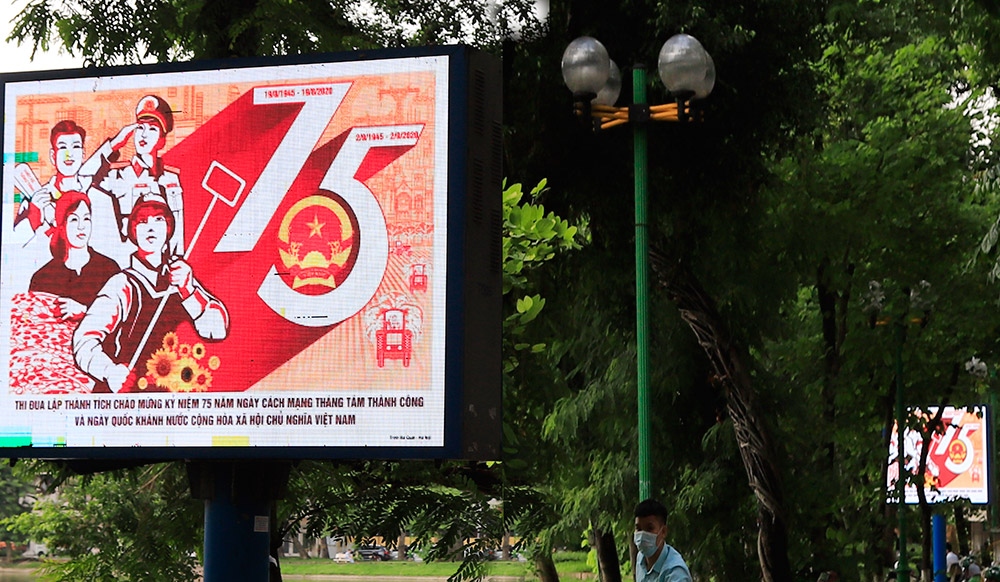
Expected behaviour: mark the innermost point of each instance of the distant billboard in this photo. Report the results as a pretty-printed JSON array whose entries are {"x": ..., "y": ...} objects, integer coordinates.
[
  {"x": 957, "y": 461},
  {"x": 275, "y": 258}
]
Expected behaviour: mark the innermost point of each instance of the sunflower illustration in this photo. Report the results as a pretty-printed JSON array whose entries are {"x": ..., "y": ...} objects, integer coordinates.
[
  {"x": 162, "y": 367},
  {"x": 185, "y": 374},
  {"x": 175, "y": 366},
  {"x": 190, "y": 376},
  {"x": 170, "y": 341},
  {"x": 202, "y": 380}
]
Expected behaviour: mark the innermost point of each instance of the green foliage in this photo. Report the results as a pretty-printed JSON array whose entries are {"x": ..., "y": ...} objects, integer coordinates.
[
  {"x": 880, "y": 192},
  {"x": 129, "y": 525},
  {"x": 531, "y": 237},
  {"x": 17, "y": 493},
  {"x": 448, "y": 509},
  {"x": 164, "y": 30}
]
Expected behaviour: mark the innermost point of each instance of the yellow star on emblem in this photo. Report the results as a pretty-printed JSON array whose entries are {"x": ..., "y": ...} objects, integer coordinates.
[{"x": 315, "y": 227}]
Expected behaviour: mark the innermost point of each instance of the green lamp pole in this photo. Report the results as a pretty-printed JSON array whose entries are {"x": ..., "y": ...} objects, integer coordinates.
[
  {"x": 641, "y": 283},
  {"x": 919, "y": 298},
  {"x": 903, "y": 570},
  {"x": 688, "y": 72}
]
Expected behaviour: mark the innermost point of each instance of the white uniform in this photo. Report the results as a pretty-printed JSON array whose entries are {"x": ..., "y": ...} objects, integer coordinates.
[{"x": 129, "y": 182}]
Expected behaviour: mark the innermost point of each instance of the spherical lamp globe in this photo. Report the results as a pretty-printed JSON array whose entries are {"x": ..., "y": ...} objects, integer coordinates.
[
  {"x": 611, "y": 89},
  {"x": 586, "y": 65},
  {"x": 686, "y": 68}
]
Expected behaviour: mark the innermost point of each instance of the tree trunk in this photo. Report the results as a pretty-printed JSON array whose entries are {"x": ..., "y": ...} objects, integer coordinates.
[
  {"x": 545, "y": 567},
  {"x": 609, "y": 568},
  {"x": 401, "y": 546},
  {"x": 833, "y": 307},
  {"x": 728, "y": 360},
  {"x": 298, "y": 544},
  {"x": 926, "y": 564},
  {"x": 962, "y": 530},
  {"x": 277, "y": 542},
  {"x": 888, "y": 542}
]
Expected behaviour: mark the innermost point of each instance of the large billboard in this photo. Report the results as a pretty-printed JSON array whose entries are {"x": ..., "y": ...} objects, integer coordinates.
[
  {"x": 274, "y": 258},
  {"x": 957, "y": 460}
]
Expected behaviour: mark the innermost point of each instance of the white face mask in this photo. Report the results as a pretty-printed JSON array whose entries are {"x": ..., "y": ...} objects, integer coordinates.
[{"x": 646, "y": 542}]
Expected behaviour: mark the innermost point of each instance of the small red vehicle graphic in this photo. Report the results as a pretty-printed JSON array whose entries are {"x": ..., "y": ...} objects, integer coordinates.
[
  {"x": 418, "y": 279},
  {"x": 393, "y": 341}
]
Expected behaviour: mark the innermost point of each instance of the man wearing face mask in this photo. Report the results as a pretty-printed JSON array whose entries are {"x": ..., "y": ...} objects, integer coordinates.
[{"x": 657, "y": 561}]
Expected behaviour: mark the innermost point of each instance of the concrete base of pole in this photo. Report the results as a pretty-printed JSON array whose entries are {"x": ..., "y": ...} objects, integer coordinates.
[{"x": 239, "y": 497}]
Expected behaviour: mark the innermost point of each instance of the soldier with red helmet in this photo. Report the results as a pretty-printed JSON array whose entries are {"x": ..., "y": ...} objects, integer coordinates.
[{"x": 138, "y": 307}]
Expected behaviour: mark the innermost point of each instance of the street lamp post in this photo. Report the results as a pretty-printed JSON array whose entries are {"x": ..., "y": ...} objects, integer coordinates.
[
  {"x": 688, "y": 72},
  {"x": 903, "y": 570},
  {"x": 919, "y": 298}
]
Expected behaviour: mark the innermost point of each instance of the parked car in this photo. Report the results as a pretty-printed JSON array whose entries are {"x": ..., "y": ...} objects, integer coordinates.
[
  {"x": 36, "y": 550},
  {"x": 372, "y": 552}
]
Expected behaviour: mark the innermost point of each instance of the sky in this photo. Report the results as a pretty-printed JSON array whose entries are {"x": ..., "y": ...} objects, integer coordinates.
[{"x": 17, "y": 58}]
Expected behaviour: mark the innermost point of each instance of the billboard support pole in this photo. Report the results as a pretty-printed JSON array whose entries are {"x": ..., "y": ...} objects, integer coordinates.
[
  {"x": 238, "y": 498},
  {"x": 938, "y": 539}
]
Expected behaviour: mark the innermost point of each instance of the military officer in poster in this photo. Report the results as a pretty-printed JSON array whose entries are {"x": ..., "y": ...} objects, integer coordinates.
[{"x": 127, "y": 183}]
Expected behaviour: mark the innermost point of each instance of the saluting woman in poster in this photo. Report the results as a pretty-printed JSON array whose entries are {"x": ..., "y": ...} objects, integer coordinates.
[{"x": 140, "y": 306}]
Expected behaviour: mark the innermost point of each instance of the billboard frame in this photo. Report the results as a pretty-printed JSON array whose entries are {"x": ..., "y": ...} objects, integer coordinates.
[
  {"x": 941, "y": 495},
  {"x": 472, "y": 361}
]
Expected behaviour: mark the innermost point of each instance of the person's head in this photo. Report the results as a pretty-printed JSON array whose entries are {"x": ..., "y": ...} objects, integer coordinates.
[
  {"x": 650, "y": 526},
  {"x": 947, "y": 546},
  {"x": 73, "y": 226},
  {"x": 150, "y": 226},
  {"x": 154, "y": 120},
  {"x": 66, "y": 147}
]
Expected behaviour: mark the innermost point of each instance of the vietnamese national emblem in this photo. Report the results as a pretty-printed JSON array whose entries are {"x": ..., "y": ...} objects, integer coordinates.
[
  {"x": 318, "y": 242},
  {"x": 957, "y": 452}
]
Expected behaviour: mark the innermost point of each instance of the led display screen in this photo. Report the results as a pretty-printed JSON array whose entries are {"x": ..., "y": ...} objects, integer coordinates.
[
  {"x": 273, "y": 258},
  {"x": 957, "y": 460}
]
